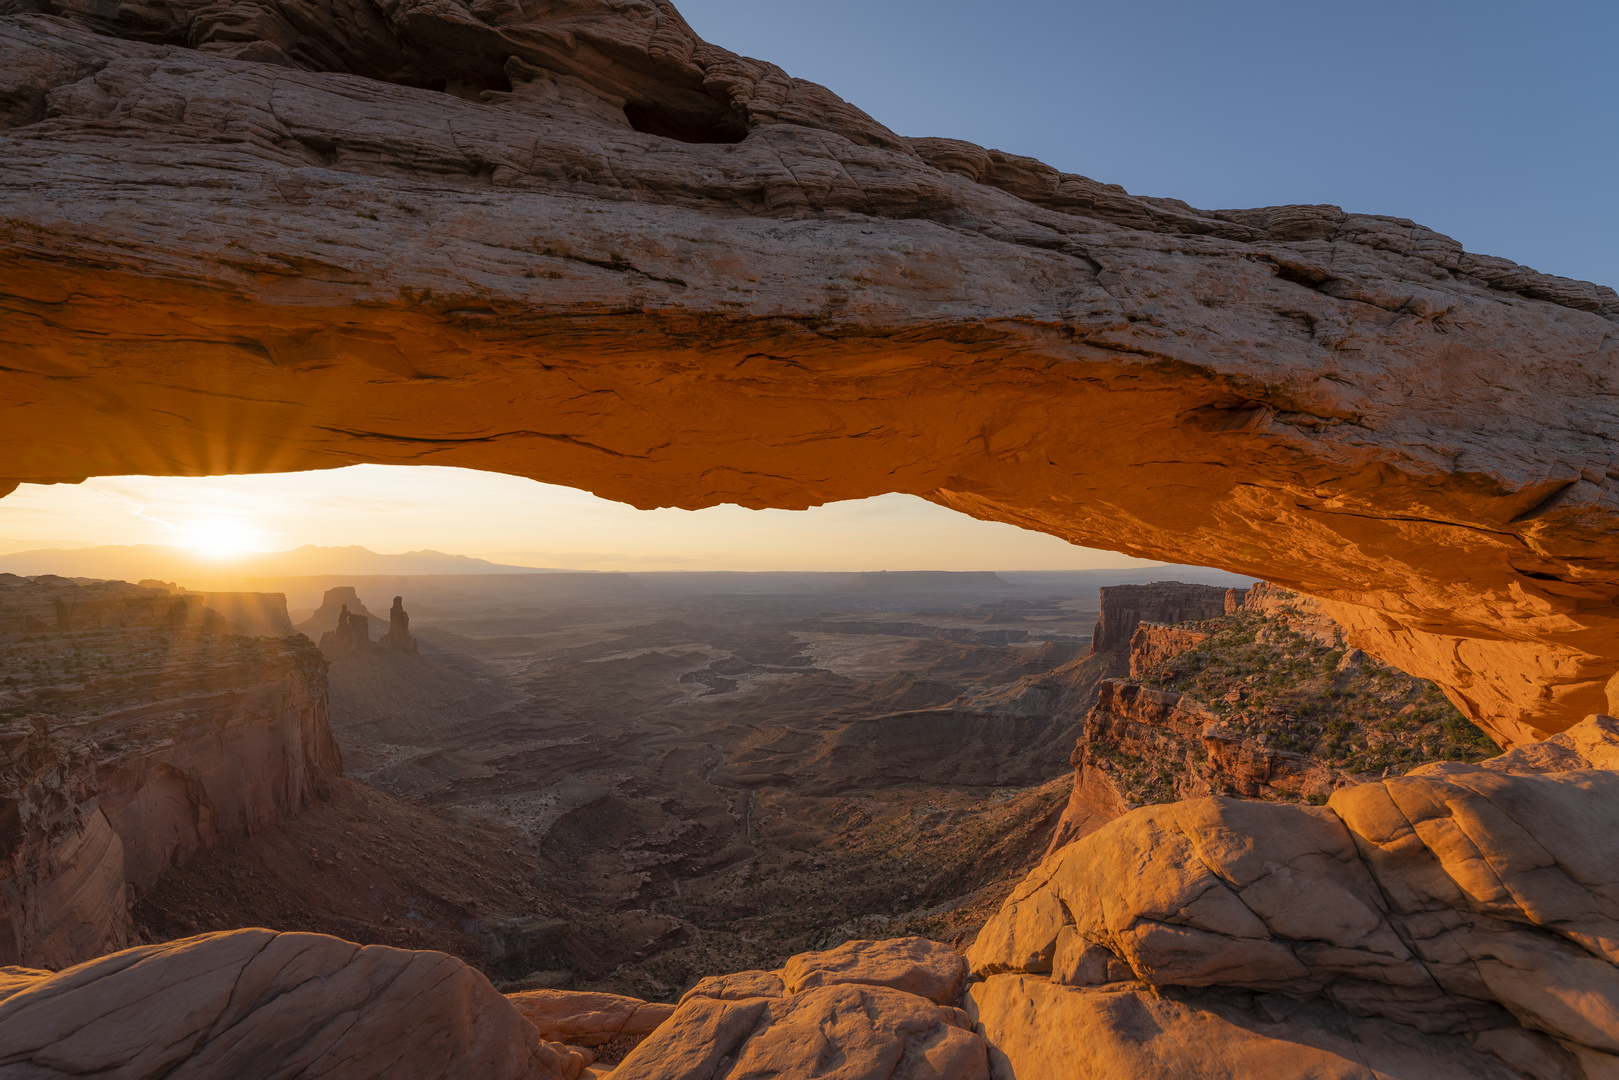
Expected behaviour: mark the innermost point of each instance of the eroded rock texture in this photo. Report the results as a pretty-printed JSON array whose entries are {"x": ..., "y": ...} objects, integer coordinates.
[
  {"x": 137, "y": 734},
  {"x": 867, "y": 1010},
  {"x": 1473, "y": 904},
  {"x": 1125, "y": 607},
  {"x": 258, "y": 1003},
  {"x": 574, "y": 242}
]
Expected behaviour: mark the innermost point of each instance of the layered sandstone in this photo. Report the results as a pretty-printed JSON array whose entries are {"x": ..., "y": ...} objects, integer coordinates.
[
  {"x": 325, "y": 618},
  {"x": 578, "y": 243},
  {"x": 1301, "y": 614},
  {"x": 62, "y": 892},
  {"x": 1263, "y": 702},
  {"x": 139, "y": 745},
  {"x": 51, "y": 603},
  {"x": 1125, "y": 607},
  {"x": 1153, "y": 643},
  {"x": 1462, "y": 913}
]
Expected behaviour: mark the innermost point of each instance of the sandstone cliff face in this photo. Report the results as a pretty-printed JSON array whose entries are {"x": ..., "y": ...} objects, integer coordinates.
[
  {"x": 48, "y": 602},
  {"x": 61, "y": 864},
  {"x": 775, "y": 301},
  {"x": 140, "y": 745},
  {"x": 332, "y": 605},
  {"x": 1153, "y": 643},
  {"x": 228, "y": 750},
  {"x": 1142, "y": 745},
  {"x": 1470, "y": 903},
  {"x": 1124, "y": 607},
  {"x": 1262, "y": 702},
  {"x": 253, "y": 614}
]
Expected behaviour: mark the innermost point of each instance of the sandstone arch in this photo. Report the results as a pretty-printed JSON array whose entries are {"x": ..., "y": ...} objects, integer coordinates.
[{"x": 572, "y": 241}]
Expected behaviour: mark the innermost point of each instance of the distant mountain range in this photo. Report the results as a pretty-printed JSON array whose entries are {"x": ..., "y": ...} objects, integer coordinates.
[{"x": 194, "y": 571}]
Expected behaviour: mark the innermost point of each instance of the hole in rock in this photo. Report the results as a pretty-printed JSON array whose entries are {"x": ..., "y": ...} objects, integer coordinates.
[
  {"x": 718, "y": 126},
  {"x": 611, "y": 749}
]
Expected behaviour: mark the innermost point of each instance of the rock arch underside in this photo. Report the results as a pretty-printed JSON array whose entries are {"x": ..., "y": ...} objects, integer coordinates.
[{"x": 569, "y": 240}]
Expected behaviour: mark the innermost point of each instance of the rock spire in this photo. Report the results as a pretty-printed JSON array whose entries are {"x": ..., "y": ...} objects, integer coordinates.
[{"x": 398, "y": 636}]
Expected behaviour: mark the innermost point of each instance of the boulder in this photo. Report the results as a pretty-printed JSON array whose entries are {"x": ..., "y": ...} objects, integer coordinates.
[
  {"x": 1478, "y": 902},
  {"x": 581, "y": 1018},
  {"x": 851, "y": 1031},
  {"x": 914, "y": 965},
  {"x": 1046, "y": 1031},
  {"x": 739, "y": 986},
  {"x": 256, "y": 1003}
]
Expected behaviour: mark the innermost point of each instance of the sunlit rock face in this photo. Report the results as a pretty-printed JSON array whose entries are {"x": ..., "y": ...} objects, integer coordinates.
[
  {"x": 574, "y": 242},
  {"x": 1474, "y": 904}
]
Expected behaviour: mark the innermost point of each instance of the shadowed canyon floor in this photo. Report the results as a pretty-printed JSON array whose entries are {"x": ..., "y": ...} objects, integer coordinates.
[
  {"x": 665, "y": 786},
  {"x": 712, "y": 782}
]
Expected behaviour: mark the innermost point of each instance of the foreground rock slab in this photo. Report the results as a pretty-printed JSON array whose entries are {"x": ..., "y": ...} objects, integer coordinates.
[
  {"x": 866, "y": 1010},
  {"x": 1477, "y": 902},
  {"x": 576, "y": 242},
  {"x": 581, "y": 1018},
  {"x": 1131, "y": 1033},
  {"x": 256, "y": 1003},
  {"x": 833, "y": 1013}
]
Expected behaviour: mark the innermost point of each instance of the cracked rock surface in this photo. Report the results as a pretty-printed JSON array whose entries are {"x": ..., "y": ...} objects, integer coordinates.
[
  {"x": 1477, "y": 903},
  {"x": 258, "y": 1003},
  {"x": 867, "y": 1010},
  {"x": 572, "y": 241}
]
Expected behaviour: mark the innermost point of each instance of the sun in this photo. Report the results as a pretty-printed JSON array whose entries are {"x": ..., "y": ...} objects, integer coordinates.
[{"x": 218, "y": 538}]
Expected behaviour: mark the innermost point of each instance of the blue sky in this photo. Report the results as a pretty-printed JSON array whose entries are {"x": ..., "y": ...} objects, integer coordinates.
[{"x": 1495, "y": 123}]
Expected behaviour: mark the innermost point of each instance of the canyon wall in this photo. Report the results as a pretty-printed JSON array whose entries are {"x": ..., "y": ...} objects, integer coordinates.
[
  {"x": 577, "y": 243},
  {"x": 1142, "y": 745},
  {"x": 62, "y": 896},
  {"x": 1123, "y": 607},
  {"x": 139, "y": 745},
  {"x": 68, "y": 604},
  {"x": 1153, "y": 643},
  {"x": 1260, "y": 701}
]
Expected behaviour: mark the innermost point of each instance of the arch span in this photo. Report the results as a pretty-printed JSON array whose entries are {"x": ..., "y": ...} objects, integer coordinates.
[{"x": 434, "y": 235}]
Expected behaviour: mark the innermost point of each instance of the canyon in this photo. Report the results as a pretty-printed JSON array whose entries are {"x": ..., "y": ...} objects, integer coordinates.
[
  {"x": 555, "y": 837},
  {"x": 563, "y": 789},
  {"x": 710, "y": 774},
  {"x": 573, "y": 241}
]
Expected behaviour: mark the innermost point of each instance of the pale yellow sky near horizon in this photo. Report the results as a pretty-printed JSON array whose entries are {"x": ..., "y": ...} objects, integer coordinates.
[{"x": 392, "y": 509}]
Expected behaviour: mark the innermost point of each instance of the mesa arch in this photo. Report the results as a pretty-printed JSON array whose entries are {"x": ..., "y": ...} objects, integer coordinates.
[{"x": 576, "y": 243}]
